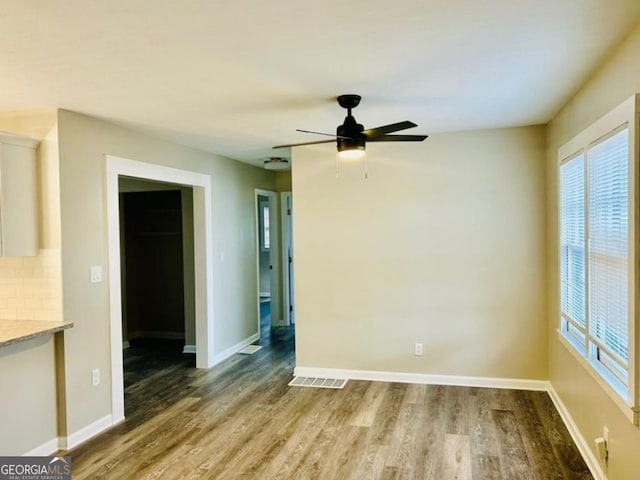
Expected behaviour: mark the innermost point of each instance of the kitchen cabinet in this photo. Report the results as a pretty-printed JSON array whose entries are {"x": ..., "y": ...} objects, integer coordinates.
[{"x": 18, "y": 196}]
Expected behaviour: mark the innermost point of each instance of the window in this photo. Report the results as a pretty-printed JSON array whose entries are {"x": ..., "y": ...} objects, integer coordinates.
[
  {"x": 597, "y": 274},
  {"x": 265, "y": 237}
]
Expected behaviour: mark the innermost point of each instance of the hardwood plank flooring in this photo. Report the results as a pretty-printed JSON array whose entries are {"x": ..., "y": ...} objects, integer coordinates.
[{"x": 240, "y": 420}]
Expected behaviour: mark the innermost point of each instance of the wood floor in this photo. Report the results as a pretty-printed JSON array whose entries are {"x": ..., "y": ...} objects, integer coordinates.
[{"x": 240, "y": 420}]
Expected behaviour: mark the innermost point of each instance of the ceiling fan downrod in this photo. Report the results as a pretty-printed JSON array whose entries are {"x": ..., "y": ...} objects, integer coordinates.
[{"x": 349, "y": 134}]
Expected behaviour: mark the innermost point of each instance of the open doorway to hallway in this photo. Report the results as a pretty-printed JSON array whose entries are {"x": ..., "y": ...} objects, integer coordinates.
[
  {"x": 265, "y": 266},
  {"x": 268, "y": 267},
  {"x": 274, "y": 254}
]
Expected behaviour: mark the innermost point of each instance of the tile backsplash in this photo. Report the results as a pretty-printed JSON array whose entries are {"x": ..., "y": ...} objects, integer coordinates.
[{"x": 31, "y": 287}]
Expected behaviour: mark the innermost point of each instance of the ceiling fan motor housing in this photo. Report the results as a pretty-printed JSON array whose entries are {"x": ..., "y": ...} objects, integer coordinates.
[{"x": 350, "y": 135}]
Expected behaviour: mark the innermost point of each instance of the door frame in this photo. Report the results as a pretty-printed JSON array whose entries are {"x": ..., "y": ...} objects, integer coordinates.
[
  {"x": 286, "y": 203},
  {"x": 274, "y": 223},
  {"x": 203, "y": 262}
]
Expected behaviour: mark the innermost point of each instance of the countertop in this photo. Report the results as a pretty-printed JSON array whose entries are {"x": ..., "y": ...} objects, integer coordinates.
[{"x": 14, "y": 331}]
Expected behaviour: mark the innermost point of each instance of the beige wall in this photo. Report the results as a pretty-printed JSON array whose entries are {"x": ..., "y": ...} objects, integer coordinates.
[
  {"x": 442, "y": 245},
  {"x": 84, "y": 141},
  {"x": 283, "y": 181},
  {"x": 587, "y": 403},
  {"x": 36, "y": 123}
]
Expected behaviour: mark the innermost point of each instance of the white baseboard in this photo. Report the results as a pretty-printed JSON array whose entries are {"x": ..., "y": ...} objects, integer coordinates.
[
  {"x": 85, "y": 433},
  {"x": 189, "y": 349},
  {"x": 46, "y": 449},
  {"x": 378, "y": 376},
  {"x": 235, "y": 349},
  {"x": 589, "y": 457}
]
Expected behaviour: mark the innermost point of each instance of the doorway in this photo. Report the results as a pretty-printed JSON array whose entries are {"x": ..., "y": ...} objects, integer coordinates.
[
  {"x": 157, "y": 286},
  {"x": 268, "y": 268},
  {"x": 117, "y": 167},
  {"x": 265, "y": 269}
]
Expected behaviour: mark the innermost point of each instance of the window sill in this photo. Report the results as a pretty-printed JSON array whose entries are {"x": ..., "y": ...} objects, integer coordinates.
[{"x": 629, "y": 411}]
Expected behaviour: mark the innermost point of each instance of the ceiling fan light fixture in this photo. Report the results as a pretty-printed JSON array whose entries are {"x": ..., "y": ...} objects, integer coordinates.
[
  {"x": 350, "y": 142},
  {"x": 351, "y": 153},
  {"x": 276, "y": 164}
]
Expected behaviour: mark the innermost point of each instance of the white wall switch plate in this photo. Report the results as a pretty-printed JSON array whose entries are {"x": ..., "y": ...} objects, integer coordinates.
[
  {"x": 96, "y": 274},
  {"x": 95, "y": 377}
]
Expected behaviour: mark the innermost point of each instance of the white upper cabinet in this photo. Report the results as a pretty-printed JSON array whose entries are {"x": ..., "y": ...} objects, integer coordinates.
[{"x": 18, "y": 196}]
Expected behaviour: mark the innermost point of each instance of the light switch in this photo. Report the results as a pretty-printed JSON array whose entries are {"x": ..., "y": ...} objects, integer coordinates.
[
  {"x": 95, "y": 377},
  {"x": 96, "y": 274}
]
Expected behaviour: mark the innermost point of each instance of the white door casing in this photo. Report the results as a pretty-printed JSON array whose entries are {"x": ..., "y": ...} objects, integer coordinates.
[
  {"x": 203, "y": 262},
  {"x": 286, "y": 203}
]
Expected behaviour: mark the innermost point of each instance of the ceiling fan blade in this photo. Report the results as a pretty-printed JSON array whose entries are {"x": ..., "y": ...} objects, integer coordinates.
[
  {"x": 394, "y": 127},
  {"x": 398, "y": 138},
  {"x": 325, "y": 134},
  {"x": 305, "y": 143}
]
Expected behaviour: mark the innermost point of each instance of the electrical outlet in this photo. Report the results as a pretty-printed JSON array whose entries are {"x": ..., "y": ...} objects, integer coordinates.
[
  {"x": 417, "y": 349},
  {"x": 95, "y": 377},
  {"x": 601, "y": 447}
]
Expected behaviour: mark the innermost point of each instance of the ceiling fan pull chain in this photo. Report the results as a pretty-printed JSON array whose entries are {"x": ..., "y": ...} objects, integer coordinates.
[
  {"x": 366, "y": 168},
  {"x": 337, "y": 166}
]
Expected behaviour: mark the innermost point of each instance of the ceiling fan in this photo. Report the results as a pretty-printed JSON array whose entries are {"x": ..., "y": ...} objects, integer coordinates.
[{"x": 351, "y": 137}]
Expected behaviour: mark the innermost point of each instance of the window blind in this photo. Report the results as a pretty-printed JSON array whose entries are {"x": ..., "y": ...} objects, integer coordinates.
[
  {"x": 608, "y": 225},
  {"x": 572, "y": 243}
]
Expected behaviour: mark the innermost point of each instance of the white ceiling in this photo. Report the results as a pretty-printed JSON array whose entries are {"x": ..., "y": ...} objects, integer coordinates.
[{"x": 237, "y": 77}]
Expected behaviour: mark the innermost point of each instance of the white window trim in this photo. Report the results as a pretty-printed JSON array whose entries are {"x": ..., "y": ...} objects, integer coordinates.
[{"x": 628, "y": 112}]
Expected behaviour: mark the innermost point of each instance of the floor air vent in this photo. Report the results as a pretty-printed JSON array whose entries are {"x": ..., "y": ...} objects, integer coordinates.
[
  {"x": 250, "y": 349},
  {"x": 318, "y": 382}
]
